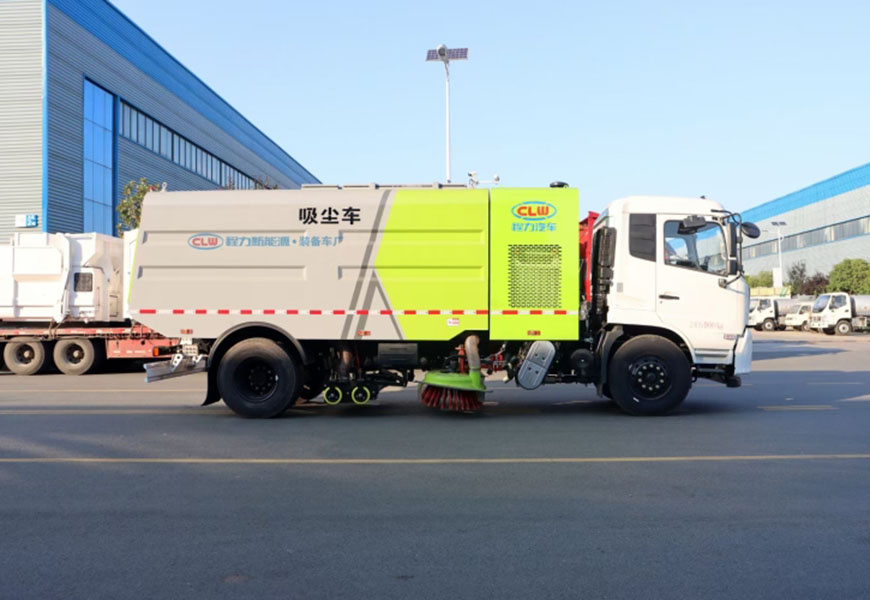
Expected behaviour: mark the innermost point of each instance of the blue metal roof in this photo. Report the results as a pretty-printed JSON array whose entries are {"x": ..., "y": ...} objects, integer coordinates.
[
  {"x": 836, "y": 185},
  {"x": 113, "y": 28}
]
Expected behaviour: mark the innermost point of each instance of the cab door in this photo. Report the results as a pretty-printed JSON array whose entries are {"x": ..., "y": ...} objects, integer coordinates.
[{"x": 689, "y": 299}]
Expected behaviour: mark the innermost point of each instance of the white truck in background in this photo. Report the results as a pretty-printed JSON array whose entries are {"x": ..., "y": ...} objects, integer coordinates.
[
  {"x": 840, "y": 313},
  {"x": 798, "y": 317},
  {"x": 764, "y": 314},
  {"x": 63, "y": 300}
]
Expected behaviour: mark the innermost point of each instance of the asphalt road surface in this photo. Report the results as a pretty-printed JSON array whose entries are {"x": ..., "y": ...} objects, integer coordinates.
[{"x": 113, "y": 489}]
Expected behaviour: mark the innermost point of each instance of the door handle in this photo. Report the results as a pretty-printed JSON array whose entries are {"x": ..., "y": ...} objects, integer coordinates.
[{"x": 668, "y": 297}]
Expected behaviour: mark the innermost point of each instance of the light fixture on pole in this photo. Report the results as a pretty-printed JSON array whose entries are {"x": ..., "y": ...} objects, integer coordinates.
[
  {"x": 444, "y": 54},
  {"x": 777, "y": 275}
]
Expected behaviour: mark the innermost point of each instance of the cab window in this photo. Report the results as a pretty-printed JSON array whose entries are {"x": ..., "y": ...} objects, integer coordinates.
[
  {"x": 703, "y": 249},
  {"x": 838, "y": 301}
]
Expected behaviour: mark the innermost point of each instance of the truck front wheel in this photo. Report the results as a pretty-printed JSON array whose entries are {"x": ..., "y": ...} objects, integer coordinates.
[
  {"x": 844, "y": 328},
  {"x": 258, "y": 378},
  {"x": 769, "y": 325},
  {"x": 649, "y": 375},
  {"x": 24, "y": 357}
]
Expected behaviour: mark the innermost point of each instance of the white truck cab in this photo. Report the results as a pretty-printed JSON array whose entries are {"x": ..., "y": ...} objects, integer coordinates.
[
  {"x": 798, "y": 318},
  {"x": 764, "y": 314},
  {"x": 839, "y": 313},
  {"x": 681, "y": 258}
]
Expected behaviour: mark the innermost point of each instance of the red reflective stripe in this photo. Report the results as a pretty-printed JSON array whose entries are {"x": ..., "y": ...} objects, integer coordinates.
[
  {"x": 269, "y": 311},
  {"x": 246, "y": 311},
  {"x": 362, "y": 312},
  {"x": 147, "y": 311},
  {"x": 509, "y": 312},
  {"x": 434, "y": 312},
  {"x": 409, "y": 312},
  {"x": 177, "y": 311},
  {"x": 316, "y": 312},
  {"x": 338, "y": 312},
  {"x": 223, "y": 311},
  {"x": 481, "y": 312},
  {"x": 458, "y": 312},
  {"x": 536, "y": 312},
  {"x": 292, "y": 311},
  {"x": 561, "y": 312},
  {"x": 386, "y": 312},
  {"x": 201, "y": 311}
]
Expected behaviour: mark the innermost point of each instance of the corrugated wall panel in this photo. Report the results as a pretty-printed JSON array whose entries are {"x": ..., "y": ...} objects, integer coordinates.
[
  {"x": 75, "y": 54},
  {"x": 21, "y": 29},
  {"x": 135, "y": 162}
]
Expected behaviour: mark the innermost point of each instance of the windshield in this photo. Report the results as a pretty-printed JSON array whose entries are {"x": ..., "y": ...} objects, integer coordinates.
[
  {"x": 753, "y": 304},
  {"x": 820, "y": 303},
  {"x": 794, "y": 310},
  {"x": 805, "y": 308},
  {"x": 704, "y": 249}
]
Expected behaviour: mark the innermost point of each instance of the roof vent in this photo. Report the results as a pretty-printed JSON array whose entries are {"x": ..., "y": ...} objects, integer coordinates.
[{"x": 558, "y": 184}]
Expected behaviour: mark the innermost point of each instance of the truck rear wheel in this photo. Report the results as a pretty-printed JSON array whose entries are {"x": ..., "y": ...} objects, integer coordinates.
[
  {"x": 24, "y": 357},
  {"x": 258, "y": 378},
  {"x": 844, "y": 328},
  {"x": 74, "y": 356},
  {"x": 649, "y": 375}
]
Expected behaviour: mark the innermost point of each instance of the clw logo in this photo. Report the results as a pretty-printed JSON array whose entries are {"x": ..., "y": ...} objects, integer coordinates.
[
  {"x": 205, "y": 241},
  {"x": 534, "y": 210}
]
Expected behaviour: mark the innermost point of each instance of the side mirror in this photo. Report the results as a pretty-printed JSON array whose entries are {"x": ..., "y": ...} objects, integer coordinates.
[
  {"x": 750, "y": 230},
  {"x": 690, "y": 225}
]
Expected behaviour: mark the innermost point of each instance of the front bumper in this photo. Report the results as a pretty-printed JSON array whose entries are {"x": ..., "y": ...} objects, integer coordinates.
[{"x": 743, "y": 353}]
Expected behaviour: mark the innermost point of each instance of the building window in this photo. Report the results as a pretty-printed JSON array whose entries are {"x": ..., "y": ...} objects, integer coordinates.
[
  {"x": 145, "y": 131},
  {"x": 98, "y": 200},
  {"x": 814, "y": 237}
]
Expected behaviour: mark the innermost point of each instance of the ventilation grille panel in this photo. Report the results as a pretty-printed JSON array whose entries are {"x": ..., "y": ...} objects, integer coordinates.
[{"x": 534, "y": 276}]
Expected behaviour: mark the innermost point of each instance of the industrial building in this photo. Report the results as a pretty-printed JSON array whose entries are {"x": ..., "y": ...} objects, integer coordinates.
[
  {"x": 88, "y": 102},
  {"x": 821, "y": 225}
]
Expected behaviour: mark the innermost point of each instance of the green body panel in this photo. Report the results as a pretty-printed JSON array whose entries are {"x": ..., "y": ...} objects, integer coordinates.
[
  {"x": 472, "y": 382},
  {"x": 433, "y": 255},
  {"x": 534, "y": 257}
]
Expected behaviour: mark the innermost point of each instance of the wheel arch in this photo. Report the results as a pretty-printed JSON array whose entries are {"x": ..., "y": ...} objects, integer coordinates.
[{"x": 241, "y": 332}]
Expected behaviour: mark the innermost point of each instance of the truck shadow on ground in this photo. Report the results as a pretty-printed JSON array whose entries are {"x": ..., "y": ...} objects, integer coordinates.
[{"x": 791, "y": 349}]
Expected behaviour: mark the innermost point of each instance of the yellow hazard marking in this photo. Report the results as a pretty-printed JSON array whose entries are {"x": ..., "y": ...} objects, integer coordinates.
[
  {"x": 865, "y": 398},
  {"x": 431, "y": 461},
  {"x": 800, "y": 407}
]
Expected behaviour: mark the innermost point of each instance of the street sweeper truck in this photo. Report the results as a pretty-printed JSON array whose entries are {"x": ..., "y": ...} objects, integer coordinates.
[{"x": 340, "y": 292}]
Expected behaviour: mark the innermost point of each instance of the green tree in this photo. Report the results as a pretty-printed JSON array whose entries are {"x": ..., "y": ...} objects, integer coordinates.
[
  {"x": 797, "y": 276},
  {"x": 851, "y": 275},
  {"x": 763, "y": 279},
  {"x": 130, "y": 205},
  {"x": 814, "y": 285}
]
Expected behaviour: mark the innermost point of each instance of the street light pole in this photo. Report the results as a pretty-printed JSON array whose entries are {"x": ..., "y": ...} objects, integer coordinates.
[
  {"x": 447, "y": 118},
  {"x": 444, "y": 54},
  {"x": 779, "y": 225}
]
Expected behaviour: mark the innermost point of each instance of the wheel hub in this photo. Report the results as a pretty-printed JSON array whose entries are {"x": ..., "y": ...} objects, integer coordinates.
[
  {"x": 649, "y": 378},
  {"x": 258, "y": 378},
  {"x": 25, "y": 354}
]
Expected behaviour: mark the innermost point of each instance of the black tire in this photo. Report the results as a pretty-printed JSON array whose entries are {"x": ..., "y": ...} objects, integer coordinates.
[
  {"x": 257, "y": 378},
  {"x": 806, "y": 327},
  {"x": 74, "y": 356},
  {"x": 769, "y": 325},
  {"x": 843, "y": 328},
  {"x": 24, "y": 357},
  {"x": 649, "y": 375},
  {"x": 829, "y": 331}
]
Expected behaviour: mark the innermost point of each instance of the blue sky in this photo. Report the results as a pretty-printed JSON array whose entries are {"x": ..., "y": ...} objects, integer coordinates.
[{"x": 740, "y": 101}]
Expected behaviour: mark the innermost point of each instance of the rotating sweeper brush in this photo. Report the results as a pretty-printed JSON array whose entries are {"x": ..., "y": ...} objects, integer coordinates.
[{"x": 458, "y": 392}]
